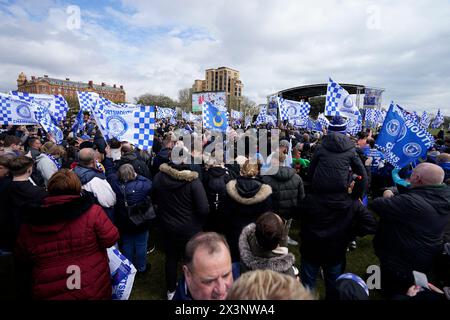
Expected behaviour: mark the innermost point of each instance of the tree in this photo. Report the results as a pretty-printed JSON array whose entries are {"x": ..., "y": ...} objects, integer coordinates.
[
  {"x": 247, "y": 104},
  {"x": 185, "y": 99},
  {"x": 74, "y": 106},
  {"x": 317, "y": 106},
  {"x": 160, "y": 100}
]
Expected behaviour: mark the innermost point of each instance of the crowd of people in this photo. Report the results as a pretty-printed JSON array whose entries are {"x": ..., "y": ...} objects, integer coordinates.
[{"x": 227, "y": 221}]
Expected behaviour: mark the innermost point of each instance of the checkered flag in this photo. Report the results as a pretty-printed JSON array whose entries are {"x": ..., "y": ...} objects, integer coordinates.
[
  {"x": 145, "y": 127},
  {"x": 324, "y": 122},
  {"x": 425, "y": 120},
  {"x": 284, "y": 115},
  {"x": 339, "y": 102},
  {"x": 334, "y": 95},
  {"x": 47, "y": 122},
  {"x": 438, "y": 121},
  {"x": 5, "y": 110},
  {"x": 236, "y": 114},
  {"x": 262, "y": 116},
  {"x": 55, "y": 103},
  {"x": 87, "y": 100}
]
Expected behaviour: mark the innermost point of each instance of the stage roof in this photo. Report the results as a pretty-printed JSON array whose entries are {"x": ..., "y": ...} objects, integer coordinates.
[{"x": 314, "y": 90}]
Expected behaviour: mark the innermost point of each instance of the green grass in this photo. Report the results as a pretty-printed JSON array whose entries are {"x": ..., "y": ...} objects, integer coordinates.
[{"x": 151, "y": 286}]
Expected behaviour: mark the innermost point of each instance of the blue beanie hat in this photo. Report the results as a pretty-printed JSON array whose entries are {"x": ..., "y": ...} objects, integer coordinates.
[{"x": 338, "y": 124}]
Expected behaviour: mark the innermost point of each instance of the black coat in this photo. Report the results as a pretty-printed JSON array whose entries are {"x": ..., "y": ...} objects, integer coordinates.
[
  {"x": 287, "y": 191},
  {"x": 182, "y": 205},
  {"x": 328, "y": 223},
  {"x": 410, "y": 233},
  {"x": 18, "y": 197},
  {"x": 247, "y": 199},
  {"x": 331, "y": 163}
]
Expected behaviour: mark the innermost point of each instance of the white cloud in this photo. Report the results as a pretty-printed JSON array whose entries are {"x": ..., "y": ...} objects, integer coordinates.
[{"x": 162, "y": 46}]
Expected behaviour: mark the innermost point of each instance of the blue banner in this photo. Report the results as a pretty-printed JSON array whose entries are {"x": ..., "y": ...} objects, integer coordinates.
[{"x": 402, "y": 139}]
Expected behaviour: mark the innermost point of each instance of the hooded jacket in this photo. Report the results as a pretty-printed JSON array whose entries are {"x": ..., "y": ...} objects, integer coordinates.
[
  {"x": 95, "y": 182},
  {"x": 253, "y": 257},
  {"x": 139, "y": 165},
  {"x": 287, "y": 191},
  {"x": 136, "y": 192},
  {"x": 330, "y": 166},
  {"x": 46, "y": 167},
  {"x": 247, "y": 199},
  {"x": 182, "y": 205},
  {"x": 411, "y": 227},
  {"x": 67, "y": 231},
  {"x": 327, "y": 225}
]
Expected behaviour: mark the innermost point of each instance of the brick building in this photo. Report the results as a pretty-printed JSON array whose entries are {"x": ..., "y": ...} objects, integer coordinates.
[
  {"x": 221, "y": 79},
  {"x": 68, "y": 88}
]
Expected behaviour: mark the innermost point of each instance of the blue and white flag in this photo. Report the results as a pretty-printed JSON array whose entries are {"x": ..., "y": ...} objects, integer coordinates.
[
  {"x": 248, "y": 121},
  {"x": 370, "y": 117},
  {"x": 402, "y": 139},
  {"x": 339, "y": 102},
  {"x": 213, "y": 118},
  {"x": 77, "y": 123},
  {"x": 16, "y": 112},
  {"x": 237, "y": 114},
  {"x": 314, "y": 125},
  {"x": 87, "y": 100},
  {"x": 292, "y": 110},
  {"x": 354, "y": 125},
  {"x": 54, "y": 103},
  {"x": 172, "y": 121},
  {"x": 380, "y": 115},
  {"x": 425, "y": 120},
  {"x": 135, "y": 124},
  {"x": 262, "y": 116},
  {"x": 438, "y": 121},
  {"x": 300, "y": 122},
  {"x": 324, "y": 122},
  {"x": 47, "y": 122}
]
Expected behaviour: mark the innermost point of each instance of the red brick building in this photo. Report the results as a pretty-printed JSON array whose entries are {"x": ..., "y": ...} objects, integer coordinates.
[{"x": 68, "y": 88}]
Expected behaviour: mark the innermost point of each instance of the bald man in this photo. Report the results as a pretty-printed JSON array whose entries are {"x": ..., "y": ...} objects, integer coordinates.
[
  {"x": 411, "y": 227},
  {"x": 94, "y": 181}
]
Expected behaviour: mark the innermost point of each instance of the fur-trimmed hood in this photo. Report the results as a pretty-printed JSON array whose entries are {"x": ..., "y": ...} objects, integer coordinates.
[
  {"x": 272, "y": 261},
  {"x": 182, "y": 175},
  {"x": 248, "y": 191}
]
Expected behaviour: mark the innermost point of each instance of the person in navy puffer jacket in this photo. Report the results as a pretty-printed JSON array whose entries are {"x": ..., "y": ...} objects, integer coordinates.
[{"x": 137, "y": 190}]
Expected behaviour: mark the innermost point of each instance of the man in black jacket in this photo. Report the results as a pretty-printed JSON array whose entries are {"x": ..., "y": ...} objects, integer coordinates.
[
  {"x": 329, "y": 213},
  {"x": 182, "y": 208},
  {"x": 410, "y": 233}
]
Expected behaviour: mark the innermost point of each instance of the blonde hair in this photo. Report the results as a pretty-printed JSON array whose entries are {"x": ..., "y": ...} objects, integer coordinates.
[
  {"x": 53, "y": 149},
  {"x": 268, "y": 285},
  {"x": 249, "y": 170}
]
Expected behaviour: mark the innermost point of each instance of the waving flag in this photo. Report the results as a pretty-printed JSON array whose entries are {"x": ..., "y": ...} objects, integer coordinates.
[
  {"x": 262, "y": 116},
  {"x": 402, "y": 139},
  {"x": 425, "y": 120},
  {"x": 237, "y": 114},
  {"x": 213, "y": 118},
  {"x": 16, "y": 112},
  {"x": 248, "y": 121},
  {"x": 339, "y": 102},
  {"x": 292, "y": 110},
  {"x": 438, "y": 121},
  {"x": 48, "y": 123},
  {"x": 55, "y": 104},
  {"x": 324, "y": 122},
  {"x": 354, "y": 125}
]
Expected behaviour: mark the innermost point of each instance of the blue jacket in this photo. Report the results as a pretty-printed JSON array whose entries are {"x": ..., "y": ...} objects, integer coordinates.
[
  {"x": 136, "y": 192},
  {"x": 182, "y": 293}
]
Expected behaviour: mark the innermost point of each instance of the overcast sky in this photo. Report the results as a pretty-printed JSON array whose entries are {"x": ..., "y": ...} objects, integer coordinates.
[{"x": 163, "y": 46}]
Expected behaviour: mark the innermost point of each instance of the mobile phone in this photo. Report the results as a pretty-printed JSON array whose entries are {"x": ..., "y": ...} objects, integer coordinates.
[{"x": 421, "y": 280}]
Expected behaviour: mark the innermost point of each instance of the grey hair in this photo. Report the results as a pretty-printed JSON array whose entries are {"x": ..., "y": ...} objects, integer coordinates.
[{"x": 126, "y": 173}]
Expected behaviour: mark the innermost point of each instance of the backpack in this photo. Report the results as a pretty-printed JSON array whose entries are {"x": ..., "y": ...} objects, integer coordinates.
[
  {"x": 139, "y": 213},
  {"x": 216, "y": 192}
]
